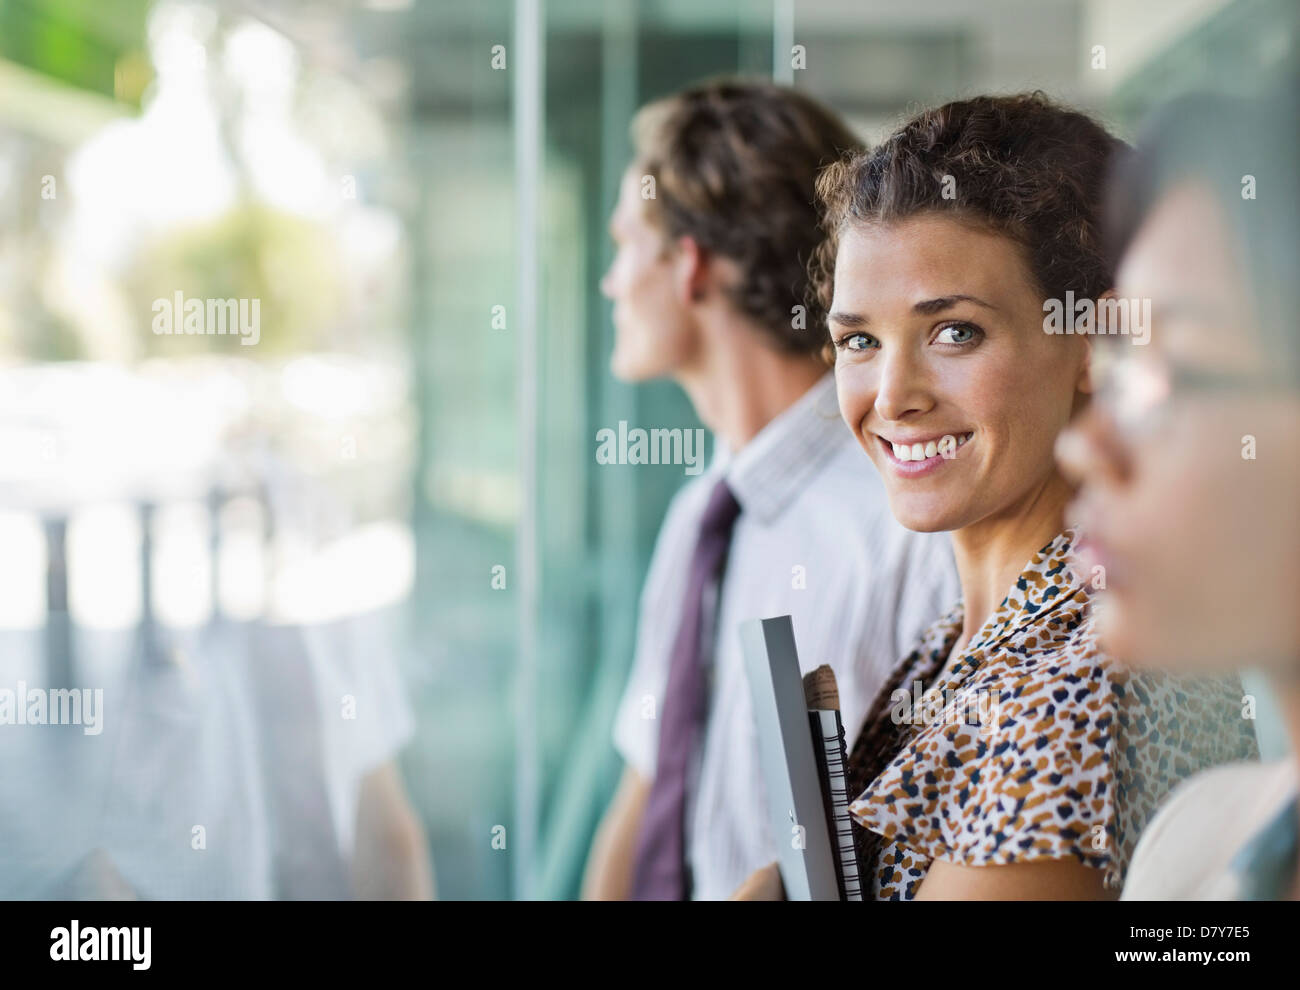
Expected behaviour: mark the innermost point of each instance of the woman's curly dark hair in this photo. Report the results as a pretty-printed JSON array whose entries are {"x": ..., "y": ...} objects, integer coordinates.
[{"x": 1019, "y": 165}]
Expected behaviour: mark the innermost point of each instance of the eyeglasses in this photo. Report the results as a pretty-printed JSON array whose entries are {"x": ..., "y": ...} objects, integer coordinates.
[{"x": 1140, "y": 389}]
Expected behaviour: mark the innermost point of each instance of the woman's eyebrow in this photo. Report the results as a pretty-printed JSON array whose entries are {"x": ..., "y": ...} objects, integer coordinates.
[
  {"x": 925, "y": 307},
  {"x": 848, "y": 319},
  {"x": 928, "y": 307}
]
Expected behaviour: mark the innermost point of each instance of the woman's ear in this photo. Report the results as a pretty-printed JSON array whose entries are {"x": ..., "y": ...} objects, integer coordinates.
[
  {"x": 1085, "y": 383},
  {"x": 1105, "y": 313}
]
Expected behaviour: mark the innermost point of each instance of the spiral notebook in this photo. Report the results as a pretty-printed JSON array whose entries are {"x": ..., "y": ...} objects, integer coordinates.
[{"x": 803, "y": 758}]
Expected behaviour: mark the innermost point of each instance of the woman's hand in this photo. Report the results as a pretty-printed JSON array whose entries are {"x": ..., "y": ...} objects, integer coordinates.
[{"x": 763, "y": 885}]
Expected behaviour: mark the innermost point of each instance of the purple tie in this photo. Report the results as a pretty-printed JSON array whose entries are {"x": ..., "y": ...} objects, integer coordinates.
[{"x": 661, "y": 873}]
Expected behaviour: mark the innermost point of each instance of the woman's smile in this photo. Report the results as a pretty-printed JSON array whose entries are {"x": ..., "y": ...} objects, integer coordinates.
[{"x": 911, "y": 457}]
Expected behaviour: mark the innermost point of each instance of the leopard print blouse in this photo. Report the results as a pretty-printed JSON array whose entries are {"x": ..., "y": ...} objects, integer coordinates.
[{"x": 1031, "y": 745}]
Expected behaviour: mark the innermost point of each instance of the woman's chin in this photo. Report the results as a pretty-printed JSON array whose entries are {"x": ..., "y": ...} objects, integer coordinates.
[
  {"x": 923, "y": 514},
  {"x": 1142, "y": 639},
  {"x": 1114, "y": 629}
]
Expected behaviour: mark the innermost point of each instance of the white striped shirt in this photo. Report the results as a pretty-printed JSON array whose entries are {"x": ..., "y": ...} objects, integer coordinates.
[{"x": 816, "y": 540}]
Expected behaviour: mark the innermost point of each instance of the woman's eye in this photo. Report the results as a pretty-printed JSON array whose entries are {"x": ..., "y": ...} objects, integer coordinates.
[
  {"x": 855, "y": 342},
  {"x": 958, "y": 333}
]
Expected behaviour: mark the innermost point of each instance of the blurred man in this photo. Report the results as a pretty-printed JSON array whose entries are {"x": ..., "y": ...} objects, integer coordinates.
[{"x": 714, "y": 227}]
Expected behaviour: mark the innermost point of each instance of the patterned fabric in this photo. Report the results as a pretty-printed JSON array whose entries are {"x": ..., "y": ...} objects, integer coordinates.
[
  {"x": 1201, "y": 844},
  {"x": 1031, "y": 745}
]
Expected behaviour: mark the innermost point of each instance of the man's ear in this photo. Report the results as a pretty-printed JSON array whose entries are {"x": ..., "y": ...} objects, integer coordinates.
[{"x": 691, "y": 265}]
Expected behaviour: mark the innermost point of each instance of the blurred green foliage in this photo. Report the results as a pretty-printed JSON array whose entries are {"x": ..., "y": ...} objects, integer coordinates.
[
  {"x": 250, "y": 252},
  {"x": 95, "y": 45}
]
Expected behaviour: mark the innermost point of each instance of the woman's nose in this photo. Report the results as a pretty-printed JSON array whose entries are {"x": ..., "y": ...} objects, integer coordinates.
[{"x": 902, "y": 389}]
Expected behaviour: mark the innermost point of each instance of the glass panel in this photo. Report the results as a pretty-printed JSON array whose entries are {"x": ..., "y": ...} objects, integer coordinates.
[
  {"x": 467, "y": 495},
  {"x": 381, "y": 526}
]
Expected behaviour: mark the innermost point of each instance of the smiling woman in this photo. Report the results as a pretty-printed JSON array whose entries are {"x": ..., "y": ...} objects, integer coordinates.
[
  {"x": 949, "y": 342},
  {"x": 952, "y": 387}
]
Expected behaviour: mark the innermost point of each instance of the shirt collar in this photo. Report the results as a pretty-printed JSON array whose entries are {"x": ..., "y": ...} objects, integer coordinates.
[
  {"x": 1266, "y": 864},
  {"x": 768, "y": 472}
]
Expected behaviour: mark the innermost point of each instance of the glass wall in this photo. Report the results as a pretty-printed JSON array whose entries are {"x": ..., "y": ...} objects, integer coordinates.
[{"x": 379, "y": 532}]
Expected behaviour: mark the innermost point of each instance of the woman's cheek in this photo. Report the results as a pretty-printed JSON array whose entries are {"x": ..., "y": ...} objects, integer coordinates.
[{"x": 855, "y": 395}]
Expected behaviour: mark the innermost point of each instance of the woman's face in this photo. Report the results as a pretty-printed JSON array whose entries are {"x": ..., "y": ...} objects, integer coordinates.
[
  {"x": 1190, "y": 497},
  {"x": 944, "y": 371}
]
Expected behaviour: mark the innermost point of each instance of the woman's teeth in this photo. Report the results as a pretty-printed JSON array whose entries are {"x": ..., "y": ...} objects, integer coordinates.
[{"x": 946, "y": 445}]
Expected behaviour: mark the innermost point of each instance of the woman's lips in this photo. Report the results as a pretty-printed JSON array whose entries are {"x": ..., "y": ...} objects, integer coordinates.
[{"x": 912, "y": 459}]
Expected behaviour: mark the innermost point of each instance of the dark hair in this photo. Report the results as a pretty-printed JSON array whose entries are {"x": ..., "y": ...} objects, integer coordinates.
[
  {"x": 1220, "y": 141},
  {"x": 734, "y": 163},
  {"x": 1020, "y": 165}
]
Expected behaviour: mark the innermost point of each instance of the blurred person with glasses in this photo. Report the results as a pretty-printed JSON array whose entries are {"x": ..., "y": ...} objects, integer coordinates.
[{"x": 1189, "y": 461}]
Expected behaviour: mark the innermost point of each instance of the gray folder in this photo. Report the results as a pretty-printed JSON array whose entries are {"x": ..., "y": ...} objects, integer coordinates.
[{"x": 785, "y": 750}]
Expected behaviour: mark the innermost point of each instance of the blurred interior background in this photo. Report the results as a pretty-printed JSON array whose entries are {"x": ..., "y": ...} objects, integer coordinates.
[{"x": 402, "y": 468}]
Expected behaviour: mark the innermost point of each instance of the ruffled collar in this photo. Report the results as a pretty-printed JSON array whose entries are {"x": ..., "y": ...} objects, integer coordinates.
[{"x": 1047, "y": 580}]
